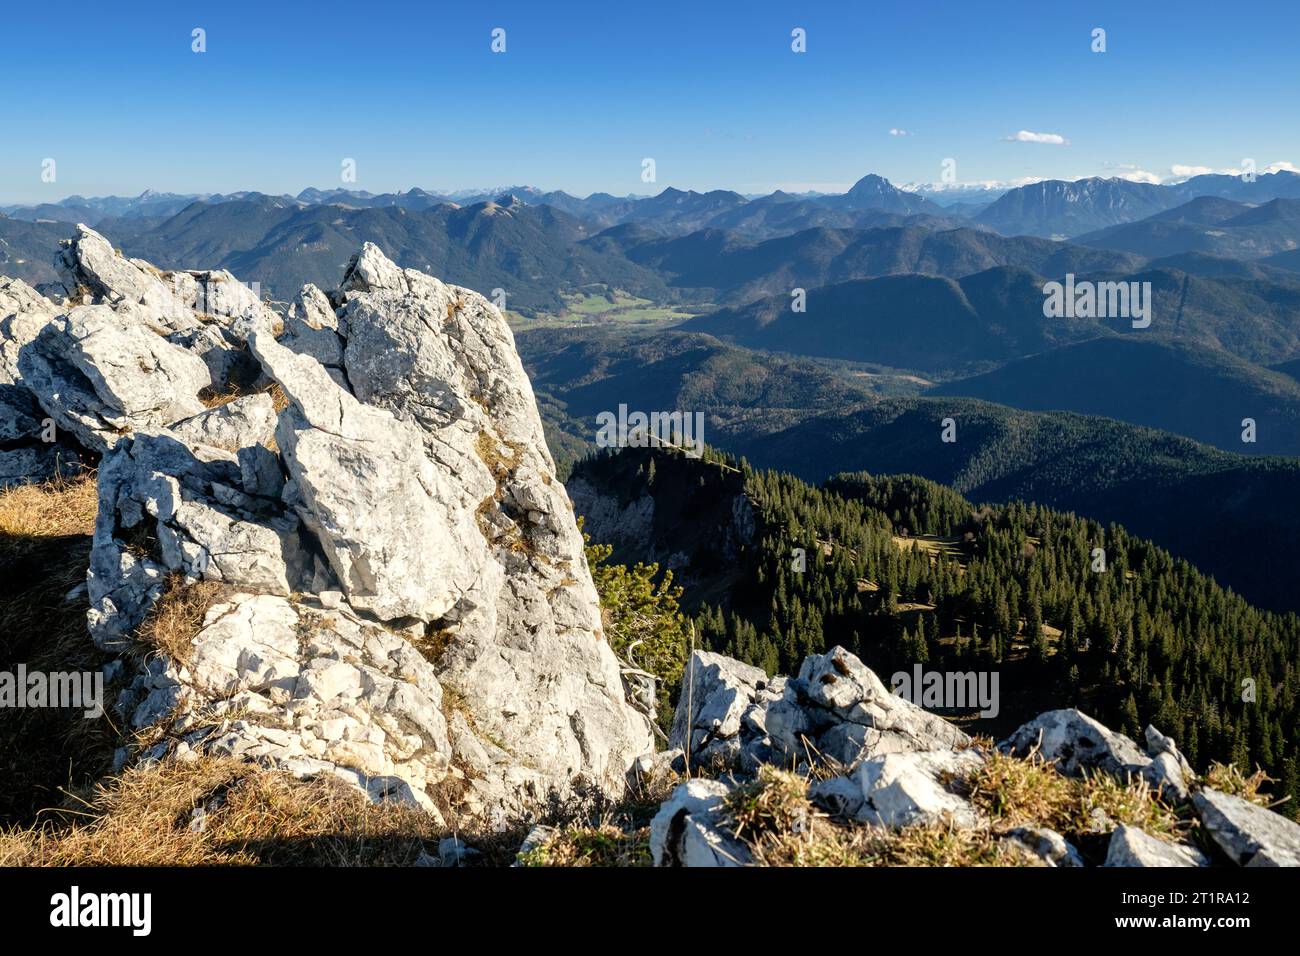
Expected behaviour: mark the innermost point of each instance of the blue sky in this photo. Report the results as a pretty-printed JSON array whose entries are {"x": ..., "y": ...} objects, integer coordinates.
[{"x": 711, "y": 91}]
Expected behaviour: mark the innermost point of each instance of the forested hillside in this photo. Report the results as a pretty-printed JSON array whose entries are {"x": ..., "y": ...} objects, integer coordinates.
[{"x": 901, "y": 570}]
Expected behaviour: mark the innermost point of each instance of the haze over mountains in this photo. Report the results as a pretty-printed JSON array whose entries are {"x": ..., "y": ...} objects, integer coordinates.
[{"x": 919, "y": 305}]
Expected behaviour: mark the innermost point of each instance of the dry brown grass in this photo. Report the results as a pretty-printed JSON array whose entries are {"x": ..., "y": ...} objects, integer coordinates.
[
  {"x": 782, "y": 828},
  {"x": 177, "y": 617},
  {"x": 211, "y": 398},
  {"x": 279, "y": 400},
  {"x": 935, "y": 844},
  {"x": 1019, "y": 792},
  {"x": 433, "y": 644},
  {"x": 774, "y": 818},
  {"x": 1227, "y": 778},
  {"x": 940, "y": 844},
  {"x": 61, "y": 506},
  {"x": 1029, "y": 792},
  {"x": 614, "y": 835},
  {"x": 776, "y": 801},
  {"x": 489, "y": 451},
  {"x": 145, "y": 817}
]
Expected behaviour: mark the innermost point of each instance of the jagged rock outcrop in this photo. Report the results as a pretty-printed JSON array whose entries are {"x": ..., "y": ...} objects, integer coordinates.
[
  {"x": 402, "y": 594},
  {"x": 1075, "y": 742},
  {"x": 312, "y": 328},
  {"x": 836, "y": 709},
  {"x": 1046, "y": 845},
  {"x": 103, "y": 375},
  {"x": 189, "y": 506},
  {"x": 1249, "y": 834},
  {"x": 31, "y": 446},
  {"x": 1169, "y": 772},
  {"x": 359, "y": 479},
  {"x": 722, "y": 714},
  {"x": 902, "y": 789},
  {"x": 874, "y": 759},
  {"x": 23, "y": 313},
  {"x": 1129, "y": 846},
  {"x": 687, "y": 829}
]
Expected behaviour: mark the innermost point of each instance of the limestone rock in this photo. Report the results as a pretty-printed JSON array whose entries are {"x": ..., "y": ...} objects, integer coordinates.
[
  {"x": 524, "y": 642},
  {"x": 854, "y": 715},
  {"x": 194, "y": 310},
  {"x": 317, "y": 692},
  {"x": 405, "y": 496},
  {"x": 23, "y": 313},
  {"x": 373, "y": 498},
  {"x": 650, "y": 769},
  {"x": 312, "y": 328},
  {"x": 1075, "y": 743},
  {"x": 836, "y": 710},
  {"x": 93, "y": 272},
  {"x": 102, "y": 375},
  {"x": 1168, "y": 772},
  {"x": 1249, "y": 834},
  {"x": 187, "y": 504},
  {"x": 1130, "y": 846},
  {"x": 238, "y": 424},
  {"x": 538, "y": 837},
  {"x": 1045, "y": 844},
  {"x": 913, "y": 787},
  {"x": 687, "y": 829},
  {"x": 722, "y": 706}
]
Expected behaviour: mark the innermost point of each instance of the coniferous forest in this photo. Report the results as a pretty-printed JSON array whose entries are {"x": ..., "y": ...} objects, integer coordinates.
[{"x": 901, "y": 571}]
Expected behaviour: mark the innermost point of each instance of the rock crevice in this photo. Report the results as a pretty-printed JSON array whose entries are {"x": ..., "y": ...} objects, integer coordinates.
[{"x": 370, "y": 479}]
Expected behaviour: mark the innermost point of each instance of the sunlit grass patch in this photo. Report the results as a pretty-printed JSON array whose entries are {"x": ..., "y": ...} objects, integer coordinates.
[{"x": 223, "y": 811}]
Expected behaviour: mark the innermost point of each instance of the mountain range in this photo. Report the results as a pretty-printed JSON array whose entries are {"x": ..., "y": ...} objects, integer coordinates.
[
  {"x": 912, "y": 312},
  {"x": 1049, "y": 209},
  {"x": 942, "y": 325},
  {"x": 1060, "y": 209},
  {"x": 1209, "y": 225}
]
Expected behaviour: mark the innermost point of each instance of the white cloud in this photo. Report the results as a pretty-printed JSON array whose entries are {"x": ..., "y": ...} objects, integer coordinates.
[
  {"x": 1135, "y": 175},
  {"x": 899, "y": 132},
  {"x": 1184, "y": 171},
  {"x": 1025, "y": 136}
]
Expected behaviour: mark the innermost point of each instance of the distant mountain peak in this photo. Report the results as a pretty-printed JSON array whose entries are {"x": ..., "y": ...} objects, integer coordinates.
[{"x": 872, "y": 184}]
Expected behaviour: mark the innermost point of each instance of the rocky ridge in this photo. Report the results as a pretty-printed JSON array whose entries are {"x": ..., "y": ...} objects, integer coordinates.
[
  {"x": 872, "y": 759},
  {"x": 399, "y": 592}
]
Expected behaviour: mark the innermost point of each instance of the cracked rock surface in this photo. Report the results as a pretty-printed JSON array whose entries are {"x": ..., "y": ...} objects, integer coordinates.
[
  {"x": 398, "y": 589},
  {"x": 873, "y": 759}
]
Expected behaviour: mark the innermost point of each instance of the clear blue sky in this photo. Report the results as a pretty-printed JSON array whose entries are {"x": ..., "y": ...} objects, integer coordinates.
[{"x": 584, "y": 92}]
